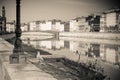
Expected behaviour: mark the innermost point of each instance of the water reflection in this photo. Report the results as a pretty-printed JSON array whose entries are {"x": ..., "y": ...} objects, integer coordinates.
[
  {"x": 105, "y": 52},
  {"x": 110, "y": 53}
]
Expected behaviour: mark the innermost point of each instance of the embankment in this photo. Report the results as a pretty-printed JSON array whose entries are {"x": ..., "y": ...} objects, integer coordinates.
[{"x": 95, "y": 35}]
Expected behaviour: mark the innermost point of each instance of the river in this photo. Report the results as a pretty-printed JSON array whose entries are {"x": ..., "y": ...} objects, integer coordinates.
[{"x": 105, "y": 53}]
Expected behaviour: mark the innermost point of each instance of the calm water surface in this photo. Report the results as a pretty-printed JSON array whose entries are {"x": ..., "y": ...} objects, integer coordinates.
[{"x": 106, "y": 51}]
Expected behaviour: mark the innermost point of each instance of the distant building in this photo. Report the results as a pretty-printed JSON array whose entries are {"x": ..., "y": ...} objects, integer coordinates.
[
  {"x": 73, "y": 25},
  {"x": 66, "y": 27},
  {"x": 50, "y": 25},
  {"x": 45, "y": 26},
  {"x": 94, "y": 22},
  {"x": 3, "y": 21},
  {"x": 37, "y": 25},
  {"x": 57, "y": 25},
  {"x": 62, "y": 27},
  {"x": 10, "y": 26},
  {"x": 83, "y": 25},
  {"x": 110, "y": 21},
  {"x": 32, "y": 26},
  {"x": 24, "y": 27}
]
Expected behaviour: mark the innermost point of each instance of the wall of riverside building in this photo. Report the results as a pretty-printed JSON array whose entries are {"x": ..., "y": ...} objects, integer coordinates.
[{"x": 96, "y": 35}]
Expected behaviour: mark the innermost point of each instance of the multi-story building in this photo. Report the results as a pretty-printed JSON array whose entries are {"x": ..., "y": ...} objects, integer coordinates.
[
  {"x": 50, "y": 25},
  {"x": 32, "y": 26},
  {"x": 45, "y": 26},
  {"x": 85, "y": 24},
  {"x": 10, "y": 27},
  {"x": 66, "y": 27},
  {"x": 57, "y": 25},
  {"x": 94, "y": 22},
  {"x": 24, "y": 27},
  {"x": 74, "y": 25},
  {"x": 110, "y": 21}
]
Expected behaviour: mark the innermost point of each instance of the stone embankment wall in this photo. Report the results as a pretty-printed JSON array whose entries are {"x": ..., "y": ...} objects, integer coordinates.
[
  {"x": 96, "y": 35},
  {"x": 3, "y": 72}
]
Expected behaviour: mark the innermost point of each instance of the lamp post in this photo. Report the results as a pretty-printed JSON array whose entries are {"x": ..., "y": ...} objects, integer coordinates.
[
  {"x": 18, "y": 41},
  {"x": 17, "y": 51}
]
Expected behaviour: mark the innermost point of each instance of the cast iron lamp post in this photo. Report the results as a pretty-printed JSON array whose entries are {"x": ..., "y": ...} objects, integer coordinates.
[
  {"x": 18, "y": 41},
  {"x": 17, "y": 51}
]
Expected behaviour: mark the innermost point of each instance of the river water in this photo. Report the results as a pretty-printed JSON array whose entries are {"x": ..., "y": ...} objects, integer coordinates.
[{"x": 105, "y": 53}]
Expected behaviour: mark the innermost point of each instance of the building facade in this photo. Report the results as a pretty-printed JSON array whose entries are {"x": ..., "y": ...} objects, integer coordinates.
[
  {"x": 10, "y": 27},
  {"x": 90, "y": 23},
  {"x": 50, "y": 25},
  {"x": 83, "y": 25},
  {"x": 110, "y": 21},
  {"x": 66, "y": 27},
  {"x": 32, "y": 26},
  {"x": 24, "y": 27},
  {"x": 73, "y": 25},
  {"x": 45, "y": 26}
]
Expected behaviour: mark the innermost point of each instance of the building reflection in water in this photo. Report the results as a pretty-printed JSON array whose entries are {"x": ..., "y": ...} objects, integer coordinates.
[
  {"x": 48, "y": 44},
  {"x": 110, "y": 53},
  {"x": 105, "y": 52}
]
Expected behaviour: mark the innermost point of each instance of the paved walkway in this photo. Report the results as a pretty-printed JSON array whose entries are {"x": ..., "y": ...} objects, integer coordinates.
[{"x": 24, "y": 71}]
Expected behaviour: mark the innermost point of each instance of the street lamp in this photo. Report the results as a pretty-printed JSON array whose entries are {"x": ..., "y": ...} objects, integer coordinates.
[{"x": 17, "y": 51}]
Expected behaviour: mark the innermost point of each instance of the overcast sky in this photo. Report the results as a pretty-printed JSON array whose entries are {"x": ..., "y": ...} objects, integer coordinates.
[{"x": 55, "y": 9}]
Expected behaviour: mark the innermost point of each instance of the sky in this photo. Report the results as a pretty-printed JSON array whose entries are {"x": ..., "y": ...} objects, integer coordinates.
[{"x": 32, "y": 10}]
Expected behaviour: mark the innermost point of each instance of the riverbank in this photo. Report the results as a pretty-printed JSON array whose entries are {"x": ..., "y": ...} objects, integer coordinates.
[
  {"x": 22, "y": 71},
  {"x": 49, "y": 69},
  {"x": 89, "y": 35}
]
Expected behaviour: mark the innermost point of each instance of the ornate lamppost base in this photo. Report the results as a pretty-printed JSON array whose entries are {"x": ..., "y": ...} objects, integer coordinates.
[
  {"x": 17, "y": 58},
  {"x": 18, "y": 55}
]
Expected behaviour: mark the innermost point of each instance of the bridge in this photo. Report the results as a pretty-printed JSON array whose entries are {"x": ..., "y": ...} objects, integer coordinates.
[{"x": 55, "y": 34}]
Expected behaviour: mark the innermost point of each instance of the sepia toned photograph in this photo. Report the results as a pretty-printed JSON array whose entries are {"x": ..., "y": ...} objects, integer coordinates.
[{"x": 59, "y": 40}]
